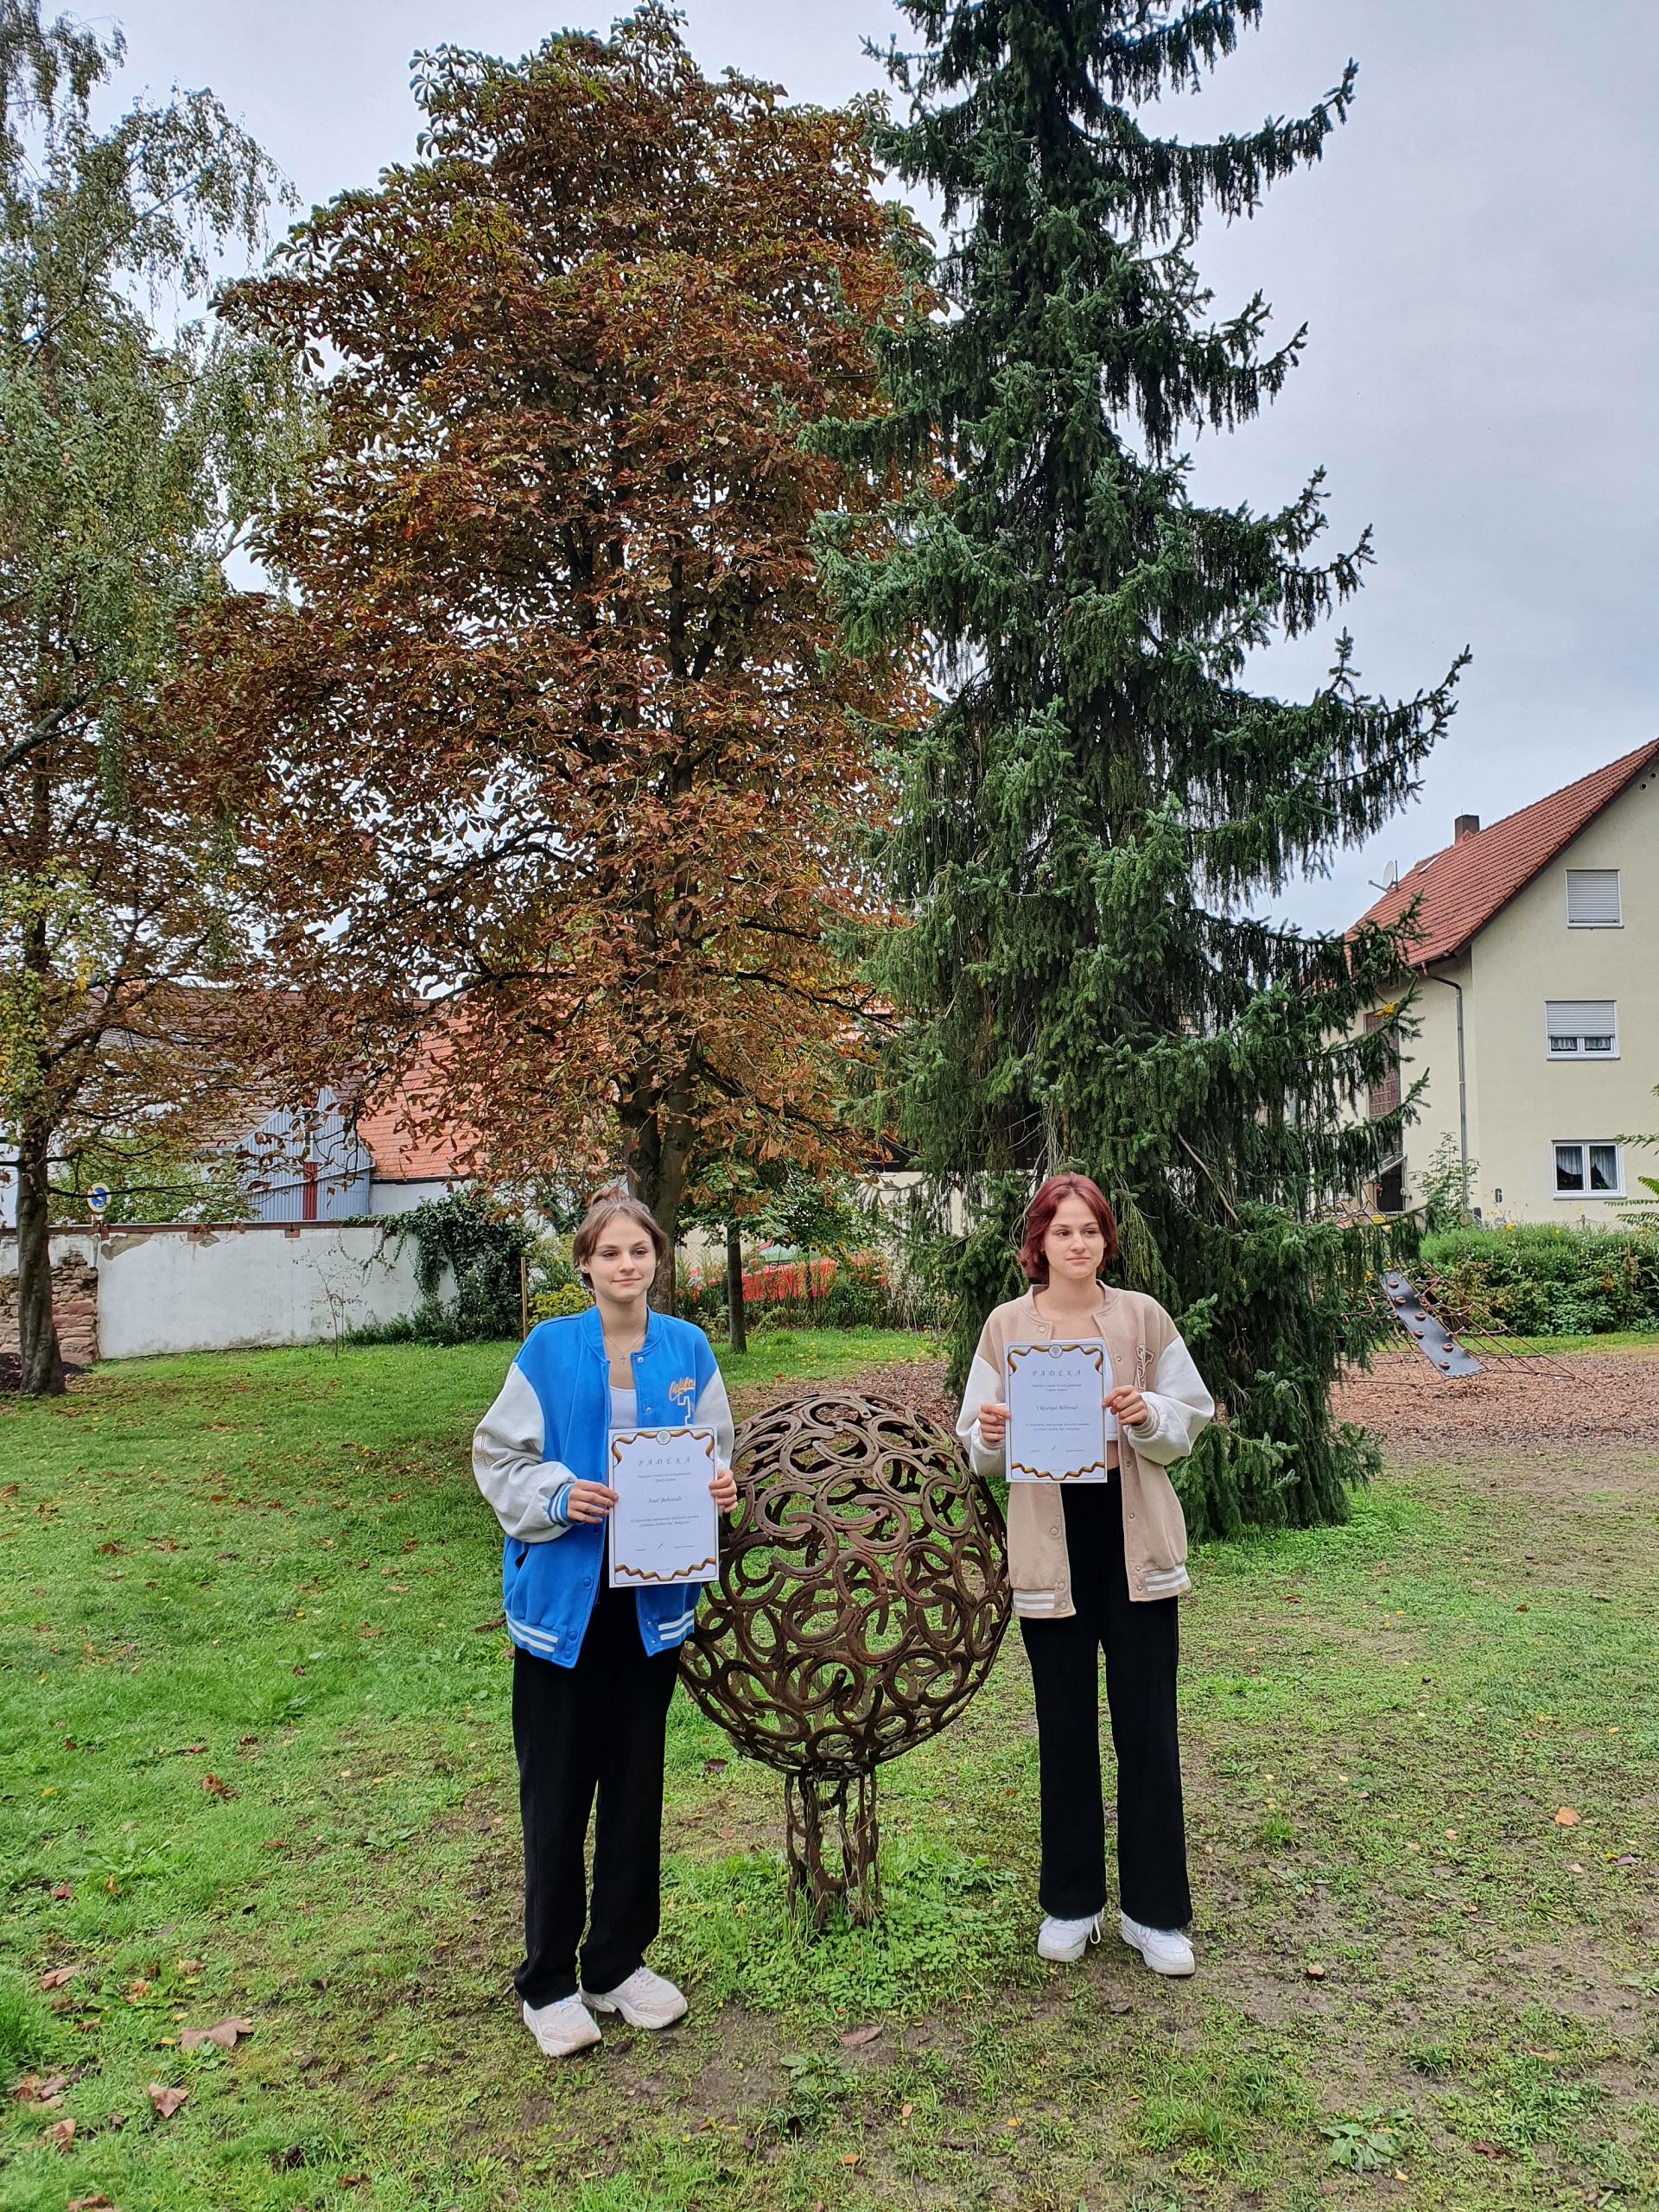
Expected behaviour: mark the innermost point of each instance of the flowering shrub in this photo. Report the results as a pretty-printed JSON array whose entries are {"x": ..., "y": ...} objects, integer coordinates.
[{"x": 820, "y": 1294}]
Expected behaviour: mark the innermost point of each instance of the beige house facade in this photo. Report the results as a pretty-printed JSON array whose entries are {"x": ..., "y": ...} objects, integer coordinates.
[{"x": 1537, "y": 1003}]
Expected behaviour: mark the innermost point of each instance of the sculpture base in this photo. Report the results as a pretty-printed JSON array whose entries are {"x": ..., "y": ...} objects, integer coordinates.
[{"x": 830, "y": 1830}]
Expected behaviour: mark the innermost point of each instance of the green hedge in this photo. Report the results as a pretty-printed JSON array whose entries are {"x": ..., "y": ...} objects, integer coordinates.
[{"x": 1544, "y": 1282}]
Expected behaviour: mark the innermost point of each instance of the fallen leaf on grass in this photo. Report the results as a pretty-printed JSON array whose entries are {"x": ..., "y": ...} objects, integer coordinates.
[
  {"x": 850, "y": 2158},
  {"x": 223, "y": 2035},
  {"x": 1488, "y": 2150},
  {"x": 166, "y": 2100},
  {"x": 1315, "y": 1973},
  {"x": 1624, "y": 1858},
  {"x": 285, "y": 2161},
  {"x": 855, "y": 2037},
  {"x": 31, "y": 2090},
  {"x": 353, "y": 2181},
  {"x": 57, "y": 1976},
  {"x": 1567, "y": 1818},
  {"x": 61, "y": 1889},
  {"x": 60, "y": 2134},
  {"x": 483, "y": 1628},
  {"x": 215, "y": 1788},
  {"x": 274, "y": 1843},
  {"x": 96, "y": 2203}
]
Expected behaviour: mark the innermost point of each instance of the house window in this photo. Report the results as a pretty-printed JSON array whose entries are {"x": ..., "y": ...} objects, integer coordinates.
[
  {"x": 1593, "y": 899},
  {"x": 1581, "y": 1029},
  {"x": 1585, "y": 1169}
]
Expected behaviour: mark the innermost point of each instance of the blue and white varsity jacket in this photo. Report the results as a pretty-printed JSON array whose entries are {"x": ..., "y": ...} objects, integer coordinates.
[{"x": 550, "y": 1427}]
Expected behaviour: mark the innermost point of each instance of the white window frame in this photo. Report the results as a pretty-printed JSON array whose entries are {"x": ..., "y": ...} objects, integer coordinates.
[
  {"x": 1574, "y": 1046},
  {"x": 1617, "y": 923},
  {"x": 1587, "y": 1196}
]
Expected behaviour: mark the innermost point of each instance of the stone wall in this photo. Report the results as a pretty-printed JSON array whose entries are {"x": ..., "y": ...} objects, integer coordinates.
[{"x": 74, "y": 1308}]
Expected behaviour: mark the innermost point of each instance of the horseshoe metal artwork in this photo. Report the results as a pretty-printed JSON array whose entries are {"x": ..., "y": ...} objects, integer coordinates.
[{"x": 864, "y": 1593}]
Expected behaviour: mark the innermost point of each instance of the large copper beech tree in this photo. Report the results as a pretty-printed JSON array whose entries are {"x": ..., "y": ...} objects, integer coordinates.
[{"x": 567, "y": 771}]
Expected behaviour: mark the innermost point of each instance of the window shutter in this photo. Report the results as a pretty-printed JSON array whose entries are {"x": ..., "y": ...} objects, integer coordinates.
[
  {"x": 1593, "y": 898},
  {"x": 1581, "y": 1017}
]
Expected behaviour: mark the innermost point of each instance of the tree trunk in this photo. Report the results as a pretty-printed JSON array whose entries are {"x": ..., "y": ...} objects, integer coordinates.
[
  {"x": 656, "y": 1140},
  {"x": 41, "y": 1362},
  {"x": 735, "y": 1321}
]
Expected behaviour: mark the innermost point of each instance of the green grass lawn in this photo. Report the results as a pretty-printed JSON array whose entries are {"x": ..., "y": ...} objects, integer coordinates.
[
  {"x": 1535, "y": 1347},
  {"x": 255, "y": 1763}
]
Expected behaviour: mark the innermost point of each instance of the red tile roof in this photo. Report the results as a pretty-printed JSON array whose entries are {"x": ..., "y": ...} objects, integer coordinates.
[
  {"x": 400, "y": 1155},
  {"x": 1463, "y": 886}
]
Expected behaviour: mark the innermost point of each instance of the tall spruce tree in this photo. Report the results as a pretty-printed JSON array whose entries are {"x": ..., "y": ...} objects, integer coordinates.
[{"x": 1100, "y": 811}]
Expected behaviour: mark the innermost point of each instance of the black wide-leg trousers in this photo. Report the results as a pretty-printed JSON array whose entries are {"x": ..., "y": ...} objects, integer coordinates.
[
  {"x": 1141, "y": 1644},
  {"x": 593, "y": 1729}
]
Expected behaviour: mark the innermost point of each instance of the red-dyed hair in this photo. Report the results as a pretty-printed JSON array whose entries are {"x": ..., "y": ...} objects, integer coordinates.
[{"x": 1044, "y": 1207}]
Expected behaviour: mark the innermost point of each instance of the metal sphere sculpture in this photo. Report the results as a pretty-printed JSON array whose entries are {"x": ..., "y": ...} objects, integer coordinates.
[{"x": 864, "y": 1593}]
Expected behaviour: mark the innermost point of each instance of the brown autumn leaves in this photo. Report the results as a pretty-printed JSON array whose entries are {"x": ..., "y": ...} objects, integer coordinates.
[{"x": 546, "y": 767}]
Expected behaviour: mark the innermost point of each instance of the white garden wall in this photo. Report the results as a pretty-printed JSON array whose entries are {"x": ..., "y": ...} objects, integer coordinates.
[{"x": 181, "y": 1288}]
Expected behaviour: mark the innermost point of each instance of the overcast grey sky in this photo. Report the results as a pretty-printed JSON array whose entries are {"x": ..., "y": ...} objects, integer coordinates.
[{"x": 1475, "y": 259}]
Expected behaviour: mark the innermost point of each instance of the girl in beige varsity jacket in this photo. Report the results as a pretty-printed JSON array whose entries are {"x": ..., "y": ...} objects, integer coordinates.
[{"x": 1098, "y": 1566}]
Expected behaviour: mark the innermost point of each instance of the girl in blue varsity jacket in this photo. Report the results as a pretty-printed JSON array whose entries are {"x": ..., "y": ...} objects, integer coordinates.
[{"x": 594, "y": 1669}]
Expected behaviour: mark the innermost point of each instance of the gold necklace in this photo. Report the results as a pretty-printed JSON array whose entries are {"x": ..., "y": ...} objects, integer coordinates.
[{"x": 614, "y": 1352}]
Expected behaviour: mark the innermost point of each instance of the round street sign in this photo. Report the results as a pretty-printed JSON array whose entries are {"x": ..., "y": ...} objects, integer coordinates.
[{"x": 99, "y": 1196}]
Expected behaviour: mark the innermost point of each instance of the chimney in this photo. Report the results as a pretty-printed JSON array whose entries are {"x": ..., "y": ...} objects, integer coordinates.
[{"x": 1465, "y": 826}]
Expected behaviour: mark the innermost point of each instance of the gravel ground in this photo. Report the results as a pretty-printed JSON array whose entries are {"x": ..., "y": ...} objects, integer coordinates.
[
  {"x": 1556, "y": 1399},
  {"x": 917, "y": 1384},
  {"x": 1571, "y": 1398}
]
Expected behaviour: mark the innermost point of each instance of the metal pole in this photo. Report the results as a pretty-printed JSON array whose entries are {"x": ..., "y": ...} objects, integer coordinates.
[{"x": 1463, "y": 1087}]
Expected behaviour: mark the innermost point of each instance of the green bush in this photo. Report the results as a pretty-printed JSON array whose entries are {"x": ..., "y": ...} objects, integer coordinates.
[
  {"x": 555, "y": 1304},
  {"x": 482, "y": 1247},
  {"x": 1543, "y": 1282}
]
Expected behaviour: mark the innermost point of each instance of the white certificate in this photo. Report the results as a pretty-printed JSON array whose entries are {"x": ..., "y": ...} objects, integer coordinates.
[
  {"x": 1058, "y": 1427},
  {"x": 665, "y": 1525}
]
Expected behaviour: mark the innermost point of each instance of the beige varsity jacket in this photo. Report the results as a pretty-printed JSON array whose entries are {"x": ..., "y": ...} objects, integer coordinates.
[{"x": 1146, "y": 1348}]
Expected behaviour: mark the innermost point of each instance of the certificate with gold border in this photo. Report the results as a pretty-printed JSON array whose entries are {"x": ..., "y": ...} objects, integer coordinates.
[
  {"x": 1058, "y": 1427},
  {"x": 664, "y": 1527}
]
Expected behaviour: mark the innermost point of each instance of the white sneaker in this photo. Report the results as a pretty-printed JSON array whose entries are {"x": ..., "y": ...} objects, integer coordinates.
[
  {"x": 645, "y": 2001},
  {"x": 1165, "y": 1950},
  {"x": 1062, "y": 1941},
  {"x": 563, "y": 2028}
]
